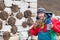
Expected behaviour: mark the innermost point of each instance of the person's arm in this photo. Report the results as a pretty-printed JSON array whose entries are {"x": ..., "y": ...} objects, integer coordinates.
[{"x": 31, "y": 27}]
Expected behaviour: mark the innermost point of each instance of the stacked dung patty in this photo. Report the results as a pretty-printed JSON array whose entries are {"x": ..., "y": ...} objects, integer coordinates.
[
  {"x": 6, "y": 35},
  {"x": 30, "y": 21},
  {"x": 11, "y": 21},
  {"x": 14, "y": 29},
  {"x": 2, "y": 6},
  {"x": 19, "y": 15},
  {"x": 14, "y": 8},
  {"x": 4, "y": 15},
  {"x": 24, "y": 24},
  {"x": 27, "y": 14},
  {"x": 0, "y": 24}
]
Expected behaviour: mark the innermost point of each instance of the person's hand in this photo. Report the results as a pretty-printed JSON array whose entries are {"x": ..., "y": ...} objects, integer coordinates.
[{"x": 35, "y": 25}]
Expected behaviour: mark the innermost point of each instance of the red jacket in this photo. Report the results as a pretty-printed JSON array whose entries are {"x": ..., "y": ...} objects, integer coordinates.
[
  {"x": 34, "y": 31},
  {"x": 38, "y": 29},
  {"x": 56, "y": 25}
]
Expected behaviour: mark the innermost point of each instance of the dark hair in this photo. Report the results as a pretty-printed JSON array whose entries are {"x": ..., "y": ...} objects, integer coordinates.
[{"x": 37, "y": 18}]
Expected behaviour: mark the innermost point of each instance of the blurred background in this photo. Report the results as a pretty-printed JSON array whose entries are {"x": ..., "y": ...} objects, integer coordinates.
[{"x": 51, "y": 5}]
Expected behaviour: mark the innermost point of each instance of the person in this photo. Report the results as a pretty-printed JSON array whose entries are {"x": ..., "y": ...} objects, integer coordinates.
[
  {"x": 43, "y": 35},
  {"x": 50, "y": 25},
  {"x": 34, "y": 31}
]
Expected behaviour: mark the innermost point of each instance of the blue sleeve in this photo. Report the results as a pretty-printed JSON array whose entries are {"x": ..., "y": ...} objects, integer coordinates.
[{"x": 48, "y": 21}]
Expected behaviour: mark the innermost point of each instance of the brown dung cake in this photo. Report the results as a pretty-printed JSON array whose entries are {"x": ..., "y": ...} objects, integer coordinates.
[
  {"x": 6, "y": 35},
  {"x": 30, "y": 21},
  {"x": 19, "y": 15},
  {"x": 27, "y": 14},
  {"x": 11, "y": 21},
  {"x": 4, "y": 15},
  {"x": 14, "y": 8},
  {"x": 0, "y": 25},
  {"x": 2, "y": 6},
  {"x": 24, "y": 24},
  {"x": 14, "y": 29},
  {"x": 0, "y": 15}
]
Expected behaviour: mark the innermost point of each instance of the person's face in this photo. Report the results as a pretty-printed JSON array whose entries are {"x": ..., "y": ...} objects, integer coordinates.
[{"x": 40, "y": 15}]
